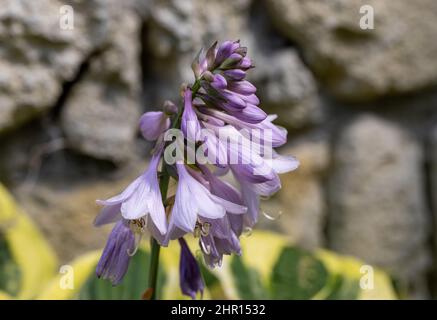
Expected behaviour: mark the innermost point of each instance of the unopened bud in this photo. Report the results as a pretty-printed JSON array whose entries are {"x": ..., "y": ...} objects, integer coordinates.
[
  {"x": 183, "y": 88},
  {"x": 210, "y": 56},
  {"x": 208, "y": 76},
  {"x": 231, "y": 61},
  {"x": 242, "y": 51},
  {"x": 169, "y": 108},
  {"x": 195, "y": 65}
]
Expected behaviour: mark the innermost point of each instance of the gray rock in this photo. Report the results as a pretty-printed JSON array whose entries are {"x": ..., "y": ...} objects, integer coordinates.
[
  {"x": 377, "y": 207},
  {"x": 395, "y": 57},
  {"x": 302, "y": 199},
  {"x": 432, "y": 152},
  {"x": 100, "y": 116},
  {"x": 37, "y": 56},
  {"x": 286, "y": 87}
]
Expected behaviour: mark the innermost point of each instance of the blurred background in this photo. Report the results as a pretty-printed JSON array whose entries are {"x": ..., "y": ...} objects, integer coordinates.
[{"x": 359, "y": 104}]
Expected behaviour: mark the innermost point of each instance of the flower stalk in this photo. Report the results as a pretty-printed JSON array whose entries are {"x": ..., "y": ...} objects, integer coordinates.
[
  {"x": 163, "y": 185},
  {"x": 154, "y": 245}
]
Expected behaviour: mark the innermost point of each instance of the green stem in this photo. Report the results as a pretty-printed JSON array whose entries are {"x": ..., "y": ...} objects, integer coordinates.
[
  {"x": 155, "y": 247},
  {"x": 195, "y": 87},
  {"x": 154, "y": 264},
  {"x": 163, "y": 185}
]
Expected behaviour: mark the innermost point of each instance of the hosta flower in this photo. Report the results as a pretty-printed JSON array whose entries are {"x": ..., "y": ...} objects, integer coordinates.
[
  {"x": 140, "y": 202},
  {"x": 223, "y": 126},
  {"x": 115, "y": 257},
  {"x": 190, "y": 278},
  {"x": 190, "y": 125},
  {"x": 193, "y": 201},
  {"x": 153, "y": 124},
  {"x": 217, "y": 238}
]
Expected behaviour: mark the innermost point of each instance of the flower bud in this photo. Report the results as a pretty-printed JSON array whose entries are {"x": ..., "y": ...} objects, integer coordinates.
[
  {"x": 219, "y": 82},
  {"x": 242, "y": 51},
  {"x": 210, "y": 56},
  {"x": 243, "y": 87},
  {"x": 245, "y": 63},
  {"x": 223, "y": 52},
  {"x": 235, "y": 74},
  {"x": 232, "y": 61},
  {"x": 169, "y": 108},
  {"x": 208, "y": 76},
  {"x": 195, "y": 65}
]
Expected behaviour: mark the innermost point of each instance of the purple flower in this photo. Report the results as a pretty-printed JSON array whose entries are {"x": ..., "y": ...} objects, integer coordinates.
[
  {"x": 141, "y": 199},
  {"x": 194, "y": 200},
  {"x": 242, "y": 87},
  {"x": 219, "y": 82},
  {"x": 226, "y": 191},
  {"x": 190, "y": 278},
  {"x": 235, "y": 74},
  {"x": 224, "y": 51},
  {"x": 114, "y": 261},
  {"x": 245, "y": 63},
  {"x": 217, "y": 240},
  {"x": 239, "y": 140},
  {"x": 190, "y": 124},
  {"x": 250, "y": 114},
  {"x": 153, "y": 123}
]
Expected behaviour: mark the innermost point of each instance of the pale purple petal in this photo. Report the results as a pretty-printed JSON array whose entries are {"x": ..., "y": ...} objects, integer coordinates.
[
  {"x": 252, "y": 201},
  {"x": 219, "y": 82},
  {"x": 283, "y": 164},
  {"x": 136, "y": 205},
  {"x": 267, "y": 188},
  {"x": 114, "y": 262},
  {"x": 153, "y": 123},
  {"x": 250, "y": 114},
  {"x": 235, "y": 74},
  {"x": 242, "y": 87},
  {"x": 224, "y": 51},
  {"x": 198, "y": 200},
  {"x": 122, "y": 196},
  {"x": 108, "y": 214},
  {"x": 190, "y": 124}
]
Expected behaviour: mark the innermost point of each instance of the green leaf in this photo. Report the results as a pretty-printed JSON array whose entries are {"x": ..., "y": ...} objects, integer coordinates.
[
  {"x": 132, "y": 287},
  {"x": 247, "y": 280},
  {"x": 297, "y": 275},
  {"x": 343, "y": 288},
  {"x": 10, "y": 274}
]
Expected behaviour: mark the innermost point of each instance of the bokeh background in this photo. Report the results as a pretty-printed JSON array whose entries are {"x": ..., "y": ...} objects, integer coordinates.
[{"x": 360, "y": 107}]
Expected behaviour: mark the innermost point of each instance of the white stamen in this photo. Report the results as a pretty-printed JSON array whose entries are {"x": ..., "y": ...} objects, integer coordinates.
[{"x": 205, "y": 248}]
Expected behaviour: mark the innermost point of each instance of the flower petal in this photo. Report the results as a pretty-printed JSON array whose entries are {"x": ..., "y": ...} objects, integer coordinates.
[
  {"x": 153, "y": 123},
  {"x": 122, "y": 196},
  {"x": 108, "y": 214}
]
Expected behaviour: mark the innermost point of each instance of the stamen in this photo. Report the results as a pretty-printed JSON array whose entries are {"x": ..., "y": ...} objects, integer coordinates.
[
  {"x": 205, "y": 229},
  {"x": 197, "y": 230},
  {"x": 247, "y": 231},
  {"x": 138, "y": 237},
  {"x": 205, "y": 248},
  {"x": 272, "y": 218}
]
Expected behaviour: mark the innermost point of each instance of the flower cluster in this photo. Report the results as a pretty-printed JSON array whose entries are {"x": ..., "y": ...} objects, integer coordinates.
[{"x": 221, "y": 118}]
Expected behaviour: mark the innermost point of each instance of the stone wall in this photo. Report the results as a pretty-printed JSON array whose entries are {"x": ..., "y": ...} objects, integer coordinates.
[{"x": 360, "y": 106}]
